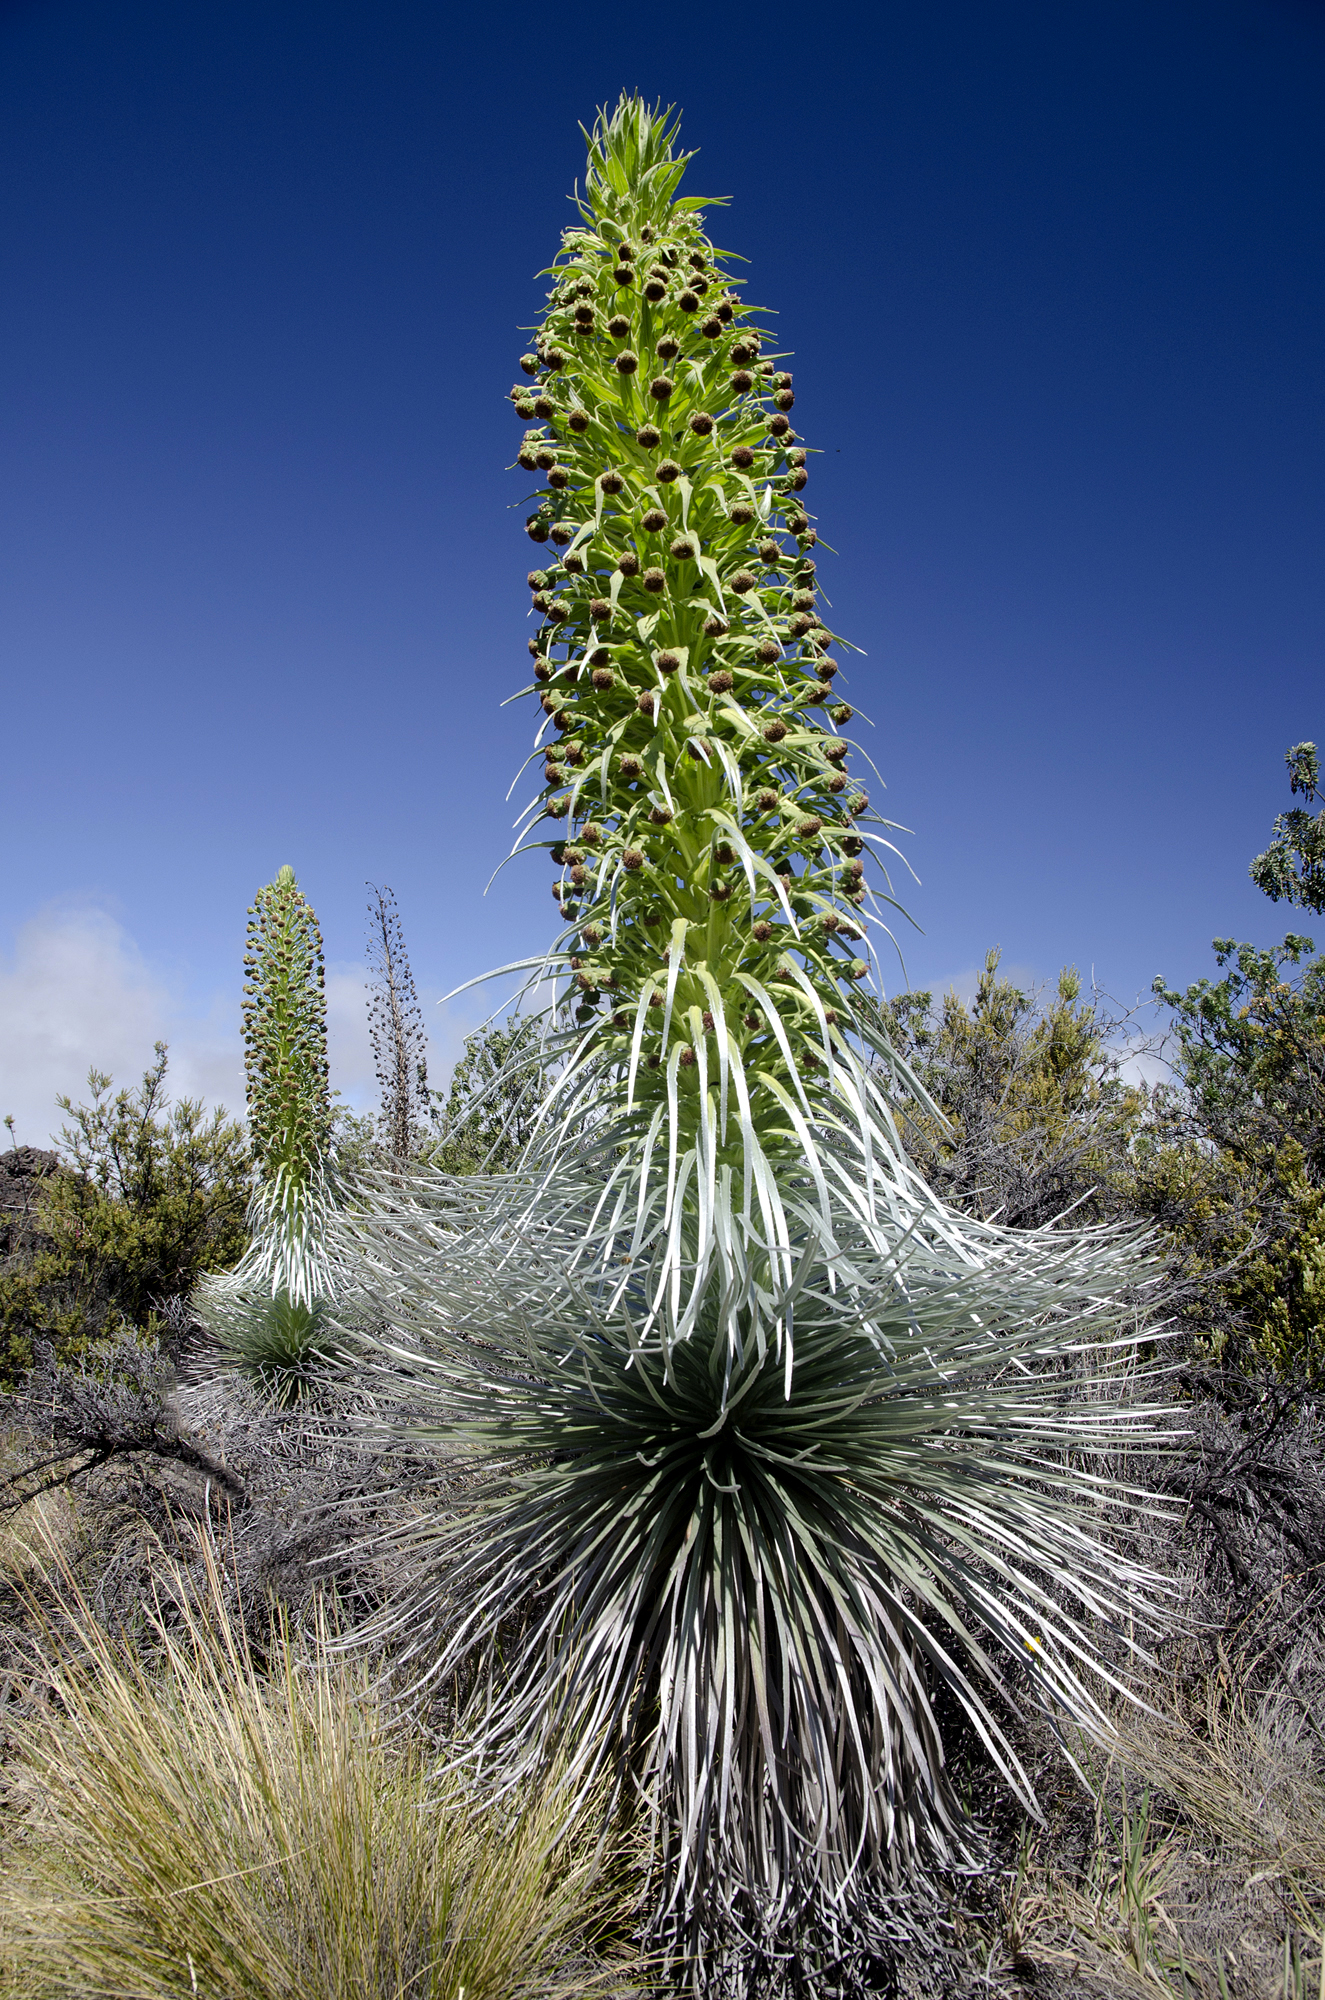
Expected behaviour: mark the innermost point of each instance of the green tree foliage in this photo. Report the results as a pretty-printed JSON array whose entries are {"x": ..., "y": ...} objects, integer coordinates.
[
  {"x": 1292, "y": 868},
  {"x": 151, "y": 1196},
  {"x": 496, "y": 1093},
  {"x": 1024, "y": 1116},
  {"x": 1233, "y": 1163}
]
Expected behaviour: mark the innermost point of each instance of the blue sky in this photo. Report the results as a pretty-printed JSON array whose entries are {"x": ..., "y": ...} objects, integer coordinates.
[{"x": 1053, "y": 277}]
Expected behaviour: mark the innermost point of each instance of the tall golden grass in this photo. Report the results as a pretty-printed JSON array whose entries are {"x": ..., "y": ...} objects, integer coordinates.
[{"x": 197, "y": 1823}]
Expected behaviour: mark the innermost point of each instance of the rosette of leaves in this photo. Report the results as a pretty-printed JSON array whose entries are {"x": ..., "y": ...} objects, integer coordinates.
[
  {"x": 783, "y": 1456},
  {"x": 267, "y": 1312}
]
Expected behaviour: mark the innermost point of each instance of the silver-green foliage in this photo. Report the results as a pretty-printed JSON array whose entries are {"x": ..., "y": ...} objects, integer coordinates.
[
  {"x": 779, "y": 1456},
  {"x": 266, "y": 1312}
]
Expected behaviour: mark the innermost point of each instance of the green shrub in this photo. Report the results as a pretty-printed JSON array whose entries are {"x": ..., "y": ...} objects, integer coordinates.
[{"x": 152, "y": 1196}]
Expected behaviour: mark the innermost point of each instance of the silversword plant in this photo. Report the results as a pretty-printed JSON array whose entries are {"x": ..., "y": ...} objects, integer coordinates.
[{"x": 779, "y": 1455}]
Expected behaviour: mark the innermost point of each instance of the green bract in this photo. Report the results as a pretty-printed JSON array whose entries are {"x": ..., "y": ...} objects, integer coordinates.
[{"x": 781, "y": 1454}]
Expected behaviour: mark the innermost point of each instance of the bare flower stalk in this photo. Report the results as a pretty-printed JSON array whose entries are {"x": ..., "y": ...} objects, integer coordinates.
[{"x": 395, "y": 1028}]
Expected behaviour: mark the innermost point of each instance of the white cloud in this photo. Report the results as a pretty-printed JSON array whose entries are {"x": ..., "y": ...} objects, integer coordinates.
[{"x": 77, "y": 992}]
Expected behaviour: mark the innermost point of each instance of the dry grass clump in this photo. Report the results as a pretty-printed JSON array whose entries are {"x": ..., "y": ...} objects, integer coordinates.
[
  {"x": 208, "y": 1824},
  {"x": 1203, "y": 1873}
]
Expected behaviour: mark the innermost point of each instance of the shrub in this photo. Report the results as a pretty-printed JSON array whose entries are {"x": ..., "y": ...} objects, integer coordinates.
[
  {"x": 151, "y": 1196},
  {"x": 196, "y": 1823}
]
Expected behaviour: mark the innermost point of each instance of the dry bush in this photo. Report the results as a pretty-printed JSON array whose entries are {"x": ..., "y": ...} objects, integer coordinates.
[{"x": 200, "y": 1824}]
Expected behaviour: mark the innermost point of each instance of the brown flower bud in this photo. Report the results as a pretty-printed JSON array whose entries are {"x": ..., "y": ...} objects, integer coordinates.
[
  {"x": 529, "y": 362},
  {"x": 556, "y": 892},
  {"x": 667, "y": 470},
  {"x": 536, "y": 528},
  {"x": 629, "y": 767},
  {"x": 742, "y": 457},
  {"x": 667, "y": 663},
  {"x": 654, "y": 579},
  {"x": 526, "y": 458},
  {"x": 858, "y": 805},
  {"x": 769, "y": 651},
  {"x": 600, "y": 610},
  {"x": 711, "y": 327},
  {"x": 558, "y": 478},
  {"x": 661, "y": 815},
  {"x": 766, "y": 801},
  {"x": 603, "y": 678},
  {"x": 611, "y": 482},
  {"x": 796, "y": 458},
  {"x": 774, "y": 731},
  {"x": 655, "y": 998},
  {"x": 808, "y": 827},
  {"x": 661, "y": 388},
  {"x": 600, "y": 657},
  {"x": 654, "y": 521},
  {"x": 544, "y": 407},
  {"x": 687, "y": 1056},
  {"x": 645, "y": 703},
  {"x": 779, "y": 425},
  {"x": 682, "y": 549},
  {"x": 761, "y": 932},
  {"x": 545, "y": 457},
  {"x": 825, "y": 669},
  {"x": 743, "y": 582},
  {"x": 628, "y": 563},
  {"x": 648, "y": 437},
  {"x": 741, "y": 514},
  {"x": 715, "y": 627},
  {"x": 542, "y": 670},
  {"x": 584, "y": 313},
  {"x": 800, "y": 479},
  {"x": 553, "y": 358},
  {"x": 579, "y": 875},
  {"x": 688, "y": 300},
  {"x": 591, "y": 935},
  {"x": 668, "y": 349},
  {"x": 701, "y": 423},
  {"x": 797, "y": 523},
  {"x": 623, "y": 275},
  {"x": 633, "y": 860},
  {"x": 721, "y": 682},
  {"x": 538, "y": 579},
  {"x": 724, "y": 854},
  {"x": 654, "y": 290},
  {"x": 573, "y": 753},
  {"x": 626, "y": 362},
  {"x": 770, "y": 552},
  {"x": 524, "y": 407},
  {"x": 561, "y": 534},
  {"x": 852, "y": 844},
  {"x": 573, "y": 565},
  {"x": 834, "y": 749},
  {"x": 837, "y": 783},
  {"x": 553, "y": 774},
  {"x": 564, "y": 718},
  {"x": 784, "y": 399},
  {"x": 842, "y": 713},
  {"x": 591, "y": 834},
  {"x": 578, "y": 420}
]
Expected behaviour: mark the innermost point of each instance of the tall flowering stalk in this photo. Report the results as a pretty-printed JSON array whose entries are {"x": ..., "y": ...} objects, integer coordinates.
[
  {"x": 266, "y": 1311},
  {"x": 776, "y": 1447}
]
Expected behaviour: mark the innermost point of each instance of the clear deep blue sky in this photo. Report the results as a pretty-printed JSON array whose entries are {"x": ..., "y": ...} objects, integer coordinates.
[{"x": 1053, "y": 276}]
